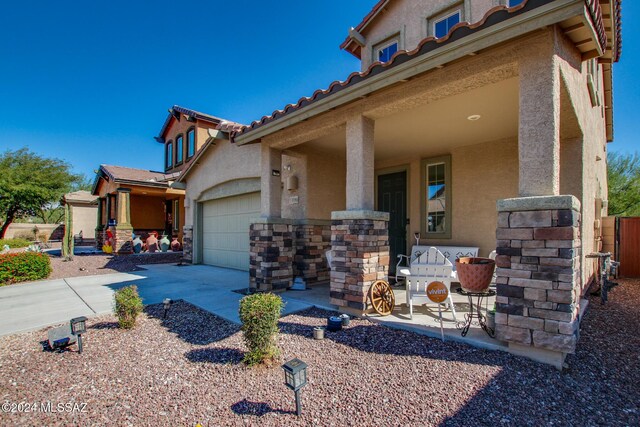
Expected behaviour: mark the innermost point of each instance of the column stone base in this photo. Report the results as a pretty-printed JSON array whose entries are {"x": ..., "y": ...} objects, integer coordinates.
[
  {"x": 538, "y": 301},
  {"x": 271, "y": 255},
  {"x": 123, "y": 244},
  {"x": 360, "y": 245},
  {"x": 99, "y": 237},
  {"x": 313, "y": 239}
]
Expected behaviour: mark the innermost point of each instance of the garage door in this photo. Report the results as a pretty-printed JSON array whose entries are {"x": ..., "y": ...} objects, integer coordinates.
[{"x": 225, "y": 230}]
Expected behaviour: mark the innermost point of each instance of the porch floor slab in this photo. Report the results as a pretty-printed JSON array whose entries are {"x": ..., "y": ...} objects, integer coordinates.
[{"x": 425, "y": 318}]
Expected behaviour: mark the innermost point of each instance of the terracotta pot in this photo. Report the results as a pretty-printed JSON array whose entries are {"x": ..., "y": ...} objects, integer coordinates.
[{"x": 475, "y": 274}]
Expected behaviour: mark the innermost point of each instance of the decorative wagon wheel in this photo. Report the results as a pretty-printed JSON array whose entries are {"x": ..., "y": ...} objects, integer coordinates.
[{"x": 382, "y": 298}]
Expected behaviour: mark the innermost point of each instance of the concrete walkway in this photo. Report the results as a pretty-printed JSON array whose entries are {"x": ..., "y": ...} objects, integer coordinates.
[{"x": 35, "y": 305}]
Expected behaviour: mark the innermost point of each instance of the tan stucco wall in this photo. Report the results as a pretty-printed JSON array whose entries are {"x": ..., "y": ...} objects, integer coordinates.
[
  {"x": 410, "y": 19},
  {"x": 85, "y": 219},
  {"x": 481, "y": 175},
  {"x": 220, "y": 164},
  {"x": 591, "y": 122},
  {"x": 147, "y": 212}
]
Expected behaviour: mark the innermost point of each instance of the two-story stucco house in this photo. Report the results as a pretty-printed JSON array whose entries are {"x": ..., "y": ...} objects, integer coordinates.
[
  {"x": 141, "y": 201},
  {"x": 475, "y": 123}
]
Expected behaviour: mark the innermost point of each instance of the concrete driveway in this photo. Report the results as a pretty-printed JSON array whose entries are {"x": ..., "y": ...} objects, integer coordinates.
[{"x": 49, "y": 302}]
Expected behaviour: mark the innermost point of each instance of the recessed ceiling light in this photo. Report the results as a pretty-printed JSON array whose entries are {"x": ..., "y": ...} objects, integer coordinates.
[{"x": 474, "y": 117}]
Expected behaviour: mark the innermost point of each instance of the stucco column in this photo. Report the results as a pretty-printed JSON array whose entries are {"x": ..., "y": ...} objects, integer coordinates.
[
  {"x": 539, "y": 126},
  {"x": 123, "y": 210},
  {"x": 270, "y": 185},
  {"x": 360, "y": 167}
]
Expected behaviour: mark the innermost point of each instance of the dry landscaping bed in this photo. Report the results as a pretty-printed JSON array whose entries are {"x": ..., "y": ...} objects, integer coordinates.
[
  {"x": 93, "y": 264},
  {"x": 186, "y": 369}
]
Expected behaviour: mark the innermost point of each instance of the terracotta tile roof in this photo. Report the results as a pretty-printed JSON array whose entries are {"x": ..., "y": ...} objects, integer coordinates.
[
  {"x": 142, "y": 176},
  {"x": 494, "y": 16},
  {"x": 200, "y": 116}
]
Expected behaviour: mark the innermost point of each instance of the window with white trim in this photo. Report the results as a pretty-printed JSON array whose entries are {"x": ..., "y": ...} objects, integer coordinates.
[
  {"x": 512, "y": 3},
  {"x": 385, "y": 51},
  {"x": 442, "y": 25}
]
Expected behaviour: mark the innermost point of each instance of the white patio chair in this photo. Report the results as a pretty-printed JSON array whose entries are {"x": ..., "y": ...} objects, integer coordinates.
[
  {"x": 403, "y": 267},
  {"x": 430, "y": 266}
]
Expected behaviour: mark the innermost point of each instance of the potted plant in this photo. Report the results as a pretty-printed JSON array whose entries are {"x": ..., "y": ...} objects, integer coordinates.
[{"x": 475, "y": 273}]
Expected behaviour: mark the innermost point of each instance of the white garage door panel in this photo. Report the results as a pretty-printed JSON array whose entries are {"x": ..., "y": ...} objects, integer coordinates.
[{"x": 225, "y": 230}]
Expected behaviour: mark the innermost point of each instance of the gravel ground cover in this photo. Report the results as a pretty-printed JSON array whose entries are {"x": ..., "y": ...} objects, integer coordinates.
[
  {"x": 93, "y": 264},
  {"x": 186, "y": 369}
]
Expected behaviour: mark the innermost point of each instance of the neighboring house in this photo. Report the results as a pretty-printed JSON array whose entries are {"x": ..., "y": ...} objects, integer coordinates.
[
  {"x": 140, "y": 201},
  {"x": 83, "y": 209},
  {"x": 503, "y": 122},
  {"x": 136, "y": 201}
]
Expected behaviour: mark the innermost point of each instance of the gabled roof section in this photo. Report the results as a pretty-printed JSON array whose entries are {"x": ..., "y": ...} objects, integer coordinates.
[
  {"x": 176, "y": 110},
  {"x": 429, "y": 46},
  {"x": 349, "y": 44},
  {"x": 131, "y": 176}
]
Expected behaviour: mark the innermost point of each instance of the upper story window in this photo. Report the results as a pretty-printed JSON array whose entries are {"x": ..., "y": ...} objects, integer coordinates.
[
  {"x": 191, "y": 143},
  {"x": 169, "y": 155},
  {"x": 179, "y": 149},
  {"x": 385, "y": 51},
  {"x": 512, "y": 3},
  {"x": 442, "y": 26}
]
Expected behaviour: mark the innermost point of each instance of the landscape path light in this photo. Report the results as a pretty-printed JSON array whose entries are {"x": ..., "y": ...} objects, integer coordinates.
[
  {"x": 79, "y": 327},
  {"x": 167, "y": 304},
  {"x": 295, "y": 377}
]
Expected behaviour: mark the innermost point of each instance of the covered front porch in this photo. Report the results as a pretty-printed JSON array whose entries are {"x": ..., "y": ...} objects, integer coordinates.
[{"x": 475, "y": 153}]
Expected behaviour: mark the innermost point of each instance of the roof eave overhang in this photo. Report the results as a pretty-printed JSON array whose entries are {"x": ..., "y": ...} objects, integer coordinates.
[{"x": 548, "y": 14}]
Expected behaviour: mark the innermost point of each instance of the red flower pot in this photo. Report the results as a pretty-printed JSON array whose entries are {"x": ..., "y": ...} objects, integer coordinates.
[{"x": 475, "y": 274}]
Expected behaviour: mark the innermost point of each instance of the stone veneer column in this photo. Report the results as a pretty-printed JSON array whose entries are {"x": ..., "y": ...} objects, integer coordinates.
[
  {"x": 313, "y": 239},
  {"x": 187, "y": 243},
  {"x": 123, "y": 230},
  {"x": 271, "y": 254},
  {"x": 538, "y": 276},
  {"x": 360, "y": 245}
]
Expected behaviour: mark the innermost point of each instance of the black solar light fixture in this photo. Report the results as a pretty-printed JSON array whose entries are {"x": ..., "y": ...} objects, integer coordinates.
[
  {"x": 295, "y": 377},
  {"x": 167, "y": 304},
  {"x": 79, "y": 327}
]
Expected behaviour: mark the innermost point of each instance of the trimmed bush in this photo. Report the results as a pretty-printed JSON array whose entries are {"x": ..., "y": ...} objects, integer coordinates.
[
  {"x": 259, "y": 314},
  {"x": 23, "y": 267},
  {"x": 15, "y": 243},
  {"x": 128, "y": 305}
]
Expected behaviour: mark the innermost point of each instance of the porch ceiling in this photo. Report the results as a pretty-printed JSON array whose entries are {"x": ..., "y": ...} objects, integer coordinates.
[{"x": 437, "y": 127}]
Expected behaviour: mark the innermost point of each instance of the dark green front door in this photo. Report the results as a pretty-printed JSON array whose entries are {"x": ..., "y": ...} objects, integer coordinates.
[{"x": 392, "y": 198}]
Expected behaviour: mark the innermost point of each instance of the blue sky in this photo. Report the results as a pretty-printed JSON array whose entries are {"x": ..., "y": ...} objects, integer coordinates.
[{"x": 90, "y": 82}]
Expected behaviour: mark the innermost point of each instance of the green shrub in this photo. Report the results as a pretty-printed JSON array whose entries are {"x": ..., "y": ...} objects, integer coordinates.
[
  {"x": 15, "y": 243},
  {"x": 128, "y": 305},
  {"x": 23, "y": 266},
  {"x": 259, "y": 314}
]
